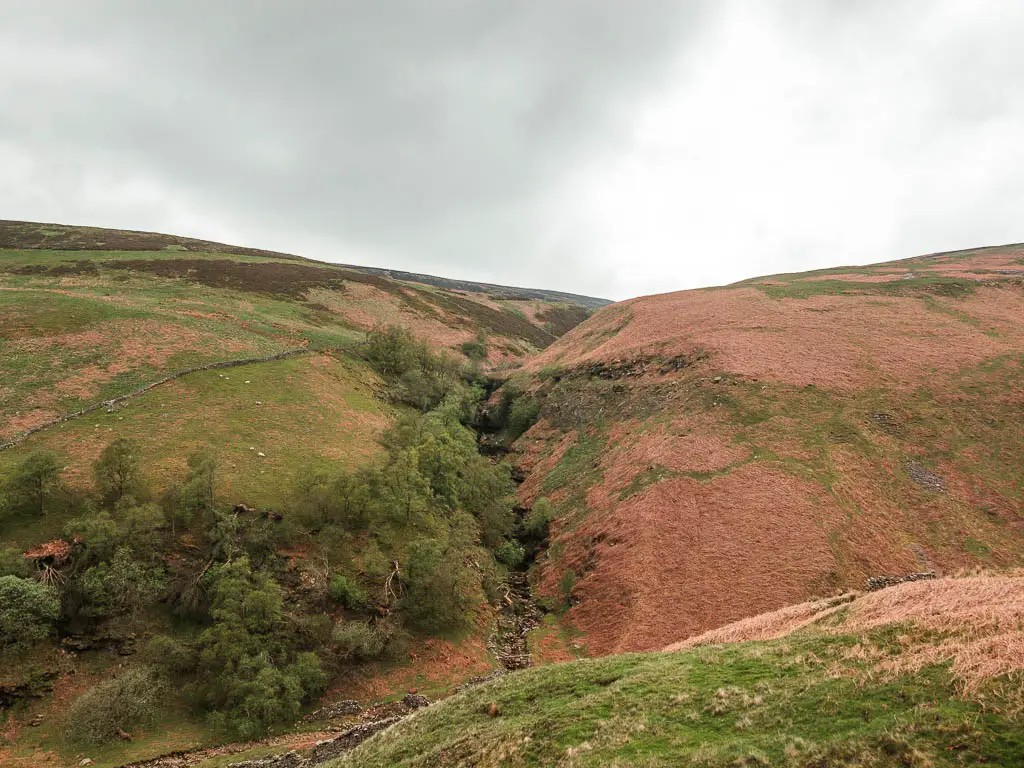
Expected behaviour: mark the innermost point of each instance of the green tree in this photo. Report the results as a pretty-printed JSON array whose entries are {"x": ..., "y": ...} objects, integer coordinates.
[
  {"x": 198, "y": 494},
  {"x": 28, "y": 611},
  {"x": 439, "y": 586},
  {"x": 538, "y": 519},
  {"x": 35, "y": 481},
  {"x": 248, "y": 673},
  {"x": 124, "y": 585},
  {"x": 404, "y": 490},
  {"x": 118, "y": 470}
]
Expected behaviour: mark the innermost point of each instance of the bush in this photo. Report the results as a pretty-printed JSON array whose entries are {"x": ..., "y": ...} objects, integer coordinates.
[
  {"x": 171, "y": 655},
  {"x": 129, "y": 701},
  {"x": 522, "y": 415},
  {"x": 359, "y": 640},
  {"x": 511, "y": 554},
  {"x": 28, "y": 610},
  {"x": 348, "y": 592},
  {"x": 538, "y": 519},
  {"x": 567, "y": 583},
  {"x": 475, "y": 350}
]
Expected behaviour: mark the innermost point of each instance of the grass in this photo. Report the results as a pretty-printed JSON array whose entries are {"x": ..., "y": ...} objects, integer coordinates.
[
  {"x": 951, "y": 287},
  {"x": 315, "y": 410},
  {"x": 804, "y": 700}
]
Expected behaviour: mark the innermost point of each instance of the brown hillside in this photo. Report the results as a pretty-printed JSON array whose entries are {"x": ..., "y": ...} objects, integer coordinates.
[{"x": 719, "y": 453}]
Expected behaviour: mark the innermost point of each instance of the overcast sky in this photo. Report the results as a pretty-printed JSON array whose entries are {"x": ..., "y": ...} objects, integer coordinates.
[{"x": 609, "y": 148}]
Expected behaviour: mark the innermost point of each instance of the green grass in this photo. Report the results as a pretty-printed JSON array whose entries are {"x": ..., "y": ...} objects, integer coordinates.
[
  {"x": 314, "y": 411},
  {"x": 796, "y": 702},
  {"x": 951, "y": 287}
]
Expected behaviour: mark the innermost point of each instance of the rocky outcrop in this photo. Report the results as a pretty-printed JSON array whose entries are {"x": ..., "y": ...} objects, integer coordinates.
[{"x": 876, "y": 583}]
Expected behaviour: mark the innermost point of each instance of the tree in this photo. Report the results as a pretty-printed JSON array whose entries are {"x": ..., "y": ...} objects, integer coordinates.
[
  {"x": 439, "y": 586},
  {"x": 28, "y": 610},
  {"x": 538, "y": 519},
  {"x": 118, "y": 470},
  {"x": 248, "y": 671},
  {"x": 124, "y": 585},
  {"x": 198, "y": 493},
  {"x": 404, "y": 490},
  {"x": 35, "y": 481}
]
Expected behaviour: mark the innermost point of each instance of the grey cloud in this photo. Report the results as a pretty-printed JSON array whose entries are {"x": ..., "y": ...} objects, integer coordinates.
[
  {"x": 514, "y": 141},
  {"x": 426, "y": 133}
]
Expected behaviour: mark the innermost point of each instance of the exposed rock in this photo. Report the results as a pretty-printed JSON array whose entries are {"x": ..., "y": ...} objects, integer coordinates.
[
  {"x": 876, "y": 583},
  {"x": 353, "y": 737},
  {"x": 473, "y": 682},
  {"x": 288, "y": 760},
  {"x": 335, "y": 709},
  {"x": 415, "y": 701},
  {"x": 927, "y": 480}
]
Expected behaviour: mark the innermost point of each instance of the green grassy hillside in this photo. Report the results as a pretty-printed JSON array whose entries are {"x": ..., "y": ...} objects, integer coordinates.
[
  {"x": 880, "y": 680},
  {"x": 197, "y": 558}
]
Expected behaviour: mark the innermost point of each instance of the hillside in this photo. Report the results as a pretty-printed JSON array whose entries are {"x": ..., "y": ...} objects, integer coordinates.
[
  {"x": 230, "y": 476},
  {"x": 248, "y": 501},
  {"x": 914, "y": 675},
  {"x": 87, "y": 315},
  {"x": 717, "y": 453}
]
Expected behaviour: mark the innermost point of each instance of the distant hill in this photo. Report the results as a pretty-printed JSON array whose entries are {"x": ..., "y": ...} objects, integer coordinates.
[
  {"x": 24, "y": 235},
  {"x": 713, "y": 454}
]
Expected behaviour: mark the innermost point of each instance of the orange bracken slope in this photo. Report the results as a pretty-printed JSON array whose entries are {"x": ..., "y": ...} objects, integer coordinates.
[{"x": 719, "y": 453}]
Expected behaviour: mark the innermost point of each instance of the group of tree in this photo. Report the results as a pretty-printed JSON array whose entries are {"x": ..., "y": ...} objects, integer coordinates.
[{"x": 410, "y": 546}]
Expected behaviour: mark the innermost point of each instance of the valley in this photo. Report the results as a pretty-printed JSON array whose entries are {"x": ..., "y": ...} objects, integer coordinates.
[{"x": 642, "y": 530}]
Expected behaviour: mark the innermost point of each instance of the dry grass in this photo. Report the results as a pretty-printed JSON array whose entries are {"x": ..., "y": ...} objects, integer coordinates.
[{"x": 977, "y": 621}]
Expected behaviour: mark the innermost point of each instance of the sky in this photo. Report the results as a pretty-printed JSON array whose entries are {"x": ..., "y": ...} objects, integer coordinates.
[{"x": 595, "y": 146}]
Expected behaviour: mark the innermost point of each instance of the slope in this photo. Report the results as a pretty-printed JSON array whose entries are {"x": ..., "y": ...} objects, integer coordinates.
[
  {"x": 88, "y": 315},
  {"x": 924, "y": 674},
  {"x": 291, "y": 431},
  {"x": 717, "y": 453}
]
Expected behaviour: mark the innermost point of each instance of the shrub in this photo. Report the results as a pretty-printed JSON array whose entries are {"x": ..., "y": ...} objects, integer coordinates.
[
  {"x": 567, "y": 583},
  {"x": 28, "y": 610},
  {"x": 475, "y": 350},
  {"x": 130, "y": 700},
  {"x": 170, "y": 655},
  {"x": 538, "y": 519},
  {"x": 511, "y": 554},
  {"x": 359, "y": 640},
  {"x": 522, "y": 415},
  {"x": 348, "y": 592}
]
